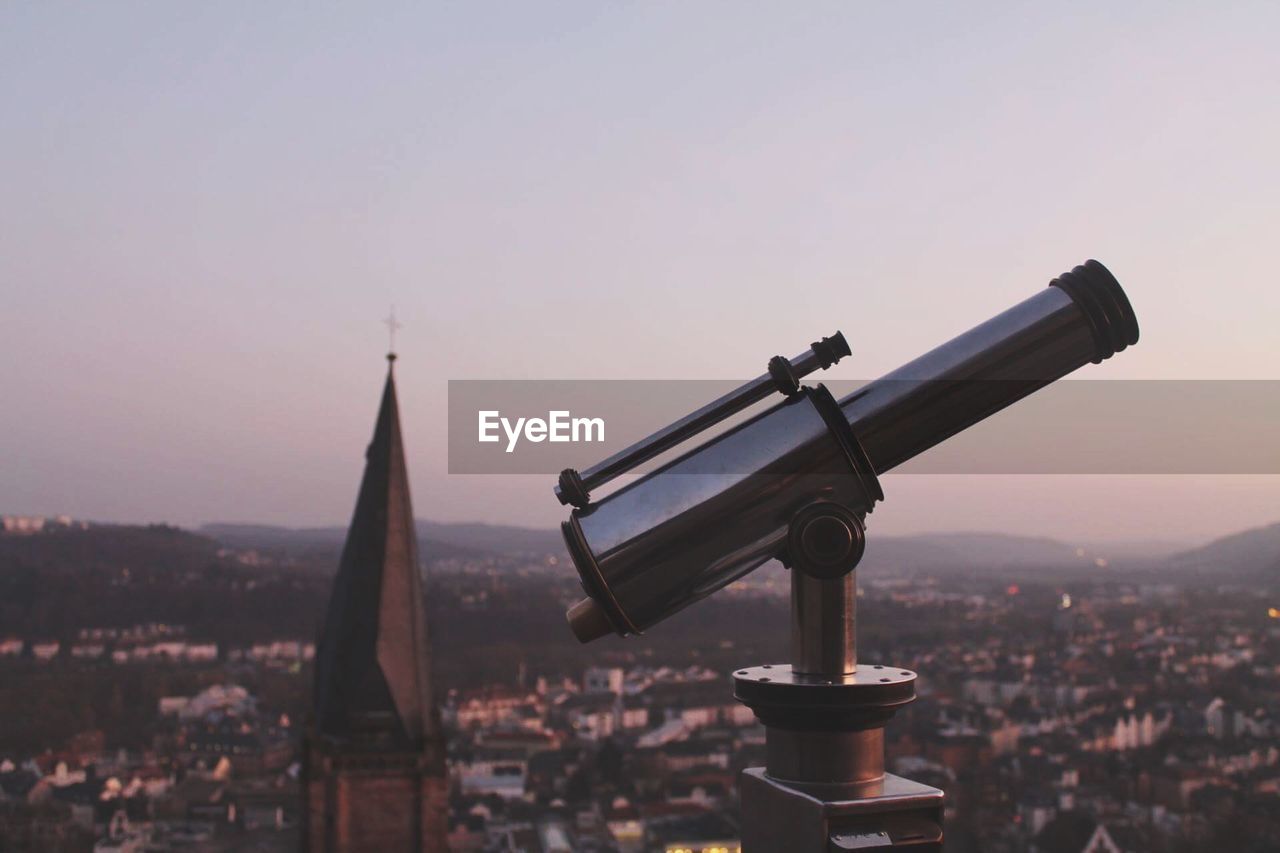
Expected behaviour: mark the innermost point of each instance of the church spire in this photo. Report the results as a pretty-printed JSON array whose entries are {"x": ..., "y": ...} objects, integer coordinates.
[
  {"x": 373, "y": 770},
  {"x": 373, "y": 676}
]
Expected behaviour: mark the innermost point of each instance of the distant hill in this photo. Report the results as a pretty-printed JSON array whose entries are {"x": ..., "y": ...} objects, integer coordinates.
[
  {"x": 494, "y": 537},
  {"x": 932, "y": 551},
  {"x": 1248, "y": 555},
  {"x": 1251, "y": 553},
  {"x": 109, "y": 546},
  {"x": 437, "y": 540},
  {"x": 266, "y": 537},
  {"x": 965, "y": 551}
]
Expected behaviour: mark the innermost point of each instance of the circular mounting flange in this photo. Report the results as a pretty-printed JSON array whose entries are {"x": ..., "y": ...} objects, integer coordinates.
[{"x": 785, "y": 699}]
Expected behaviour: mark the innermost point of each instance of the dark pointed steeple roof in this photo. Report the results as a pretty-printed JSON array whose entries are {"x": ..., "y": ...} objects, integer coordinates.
[{"x": 373, "y": 675}]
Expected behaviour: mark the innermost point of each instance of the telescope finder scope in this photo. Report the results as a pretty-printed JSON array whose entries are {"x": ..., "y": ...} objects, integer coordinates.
[{"x": 796, "y": 481}]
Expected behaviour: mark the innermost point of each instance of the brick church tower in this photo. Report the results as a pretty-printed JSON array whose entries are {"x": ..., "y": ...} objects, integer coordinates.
[{"x": 374, "y": 776}]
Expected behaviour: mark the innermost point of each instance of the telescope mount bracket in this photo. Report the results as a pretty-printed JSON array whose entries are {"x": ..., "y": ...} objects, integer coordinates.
[{"x": 824, "y": 787}]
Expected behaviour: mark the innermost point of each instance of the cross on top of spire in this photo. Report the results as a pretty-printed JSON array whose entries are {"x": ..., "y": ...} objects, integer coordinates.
[{"x": 392, "y": 326}]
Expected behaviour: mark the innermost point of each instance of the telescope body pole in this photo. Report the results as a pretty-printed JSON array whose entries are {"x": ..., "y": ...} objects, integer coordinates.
[
  {"x": 824, "y": 647},
  {"x": 824, "y": 787},
  {"x": 824, "y": 640}
]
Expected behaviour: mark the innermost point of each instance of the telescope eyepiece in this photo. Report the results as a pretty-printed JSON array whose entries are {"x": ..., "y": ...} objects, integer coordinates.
[
  {"x": 587, "y": 621},
  {"x": 830, "y": 350}
]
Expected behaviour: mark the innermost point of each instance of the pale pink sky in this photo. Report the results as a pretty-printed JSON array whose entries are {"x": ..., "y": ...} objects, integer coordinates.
[{"x": 204, "y": 211}]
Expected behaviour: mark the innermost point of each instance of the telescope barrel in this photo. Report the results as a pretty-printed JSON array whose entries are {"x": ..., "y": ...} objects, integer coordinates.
[
  {"x": 725, "y": 507},
  {"x": 1082, "y": 317},
  {"x": 712, "y": 515}
]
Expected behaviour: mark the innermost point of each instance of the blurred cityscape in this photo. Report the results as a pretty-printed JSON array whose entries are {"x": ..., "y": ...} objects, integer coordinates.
[{"x": 155, "y": 685}]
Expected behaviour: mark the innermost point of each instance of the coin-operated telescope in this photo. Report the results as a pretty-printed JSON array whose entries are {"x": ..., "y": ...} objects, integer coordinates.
[{"x": 795, "y": 483}]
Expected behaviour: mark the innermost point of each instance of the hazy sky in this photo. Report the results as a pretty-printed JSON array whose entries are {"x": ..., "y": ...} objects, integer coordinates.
[{"x": 205, "y": 209}]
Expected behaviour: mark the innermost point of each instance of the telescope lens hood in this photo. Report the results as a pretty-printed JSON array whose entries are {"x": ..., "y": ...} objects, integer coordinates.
[{"x": 1100, "y": 297}]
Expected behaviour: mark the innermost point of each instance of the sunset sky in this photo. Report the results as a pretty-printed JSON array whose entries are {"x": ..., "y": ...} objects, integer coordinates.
[{"x": 206, "y": 209}]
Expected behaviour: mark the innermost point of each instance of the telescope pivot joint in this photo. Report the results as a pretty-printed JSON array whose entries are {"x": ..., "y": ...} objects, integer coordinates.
[{"x": 825, "y": 540}]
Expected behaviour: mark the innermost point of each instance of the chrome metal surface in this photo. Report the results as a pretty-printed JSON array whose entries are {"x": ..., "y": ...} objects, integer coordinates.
[
  {"x": 869, "y": 678},
  {"x": 783, "y": 698},
  {"x": 715, "y": 513},
  {"x": 823, "y": 625},
  {"x": 824, "y": 757},
  {"x": 991, "y": 366}
]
